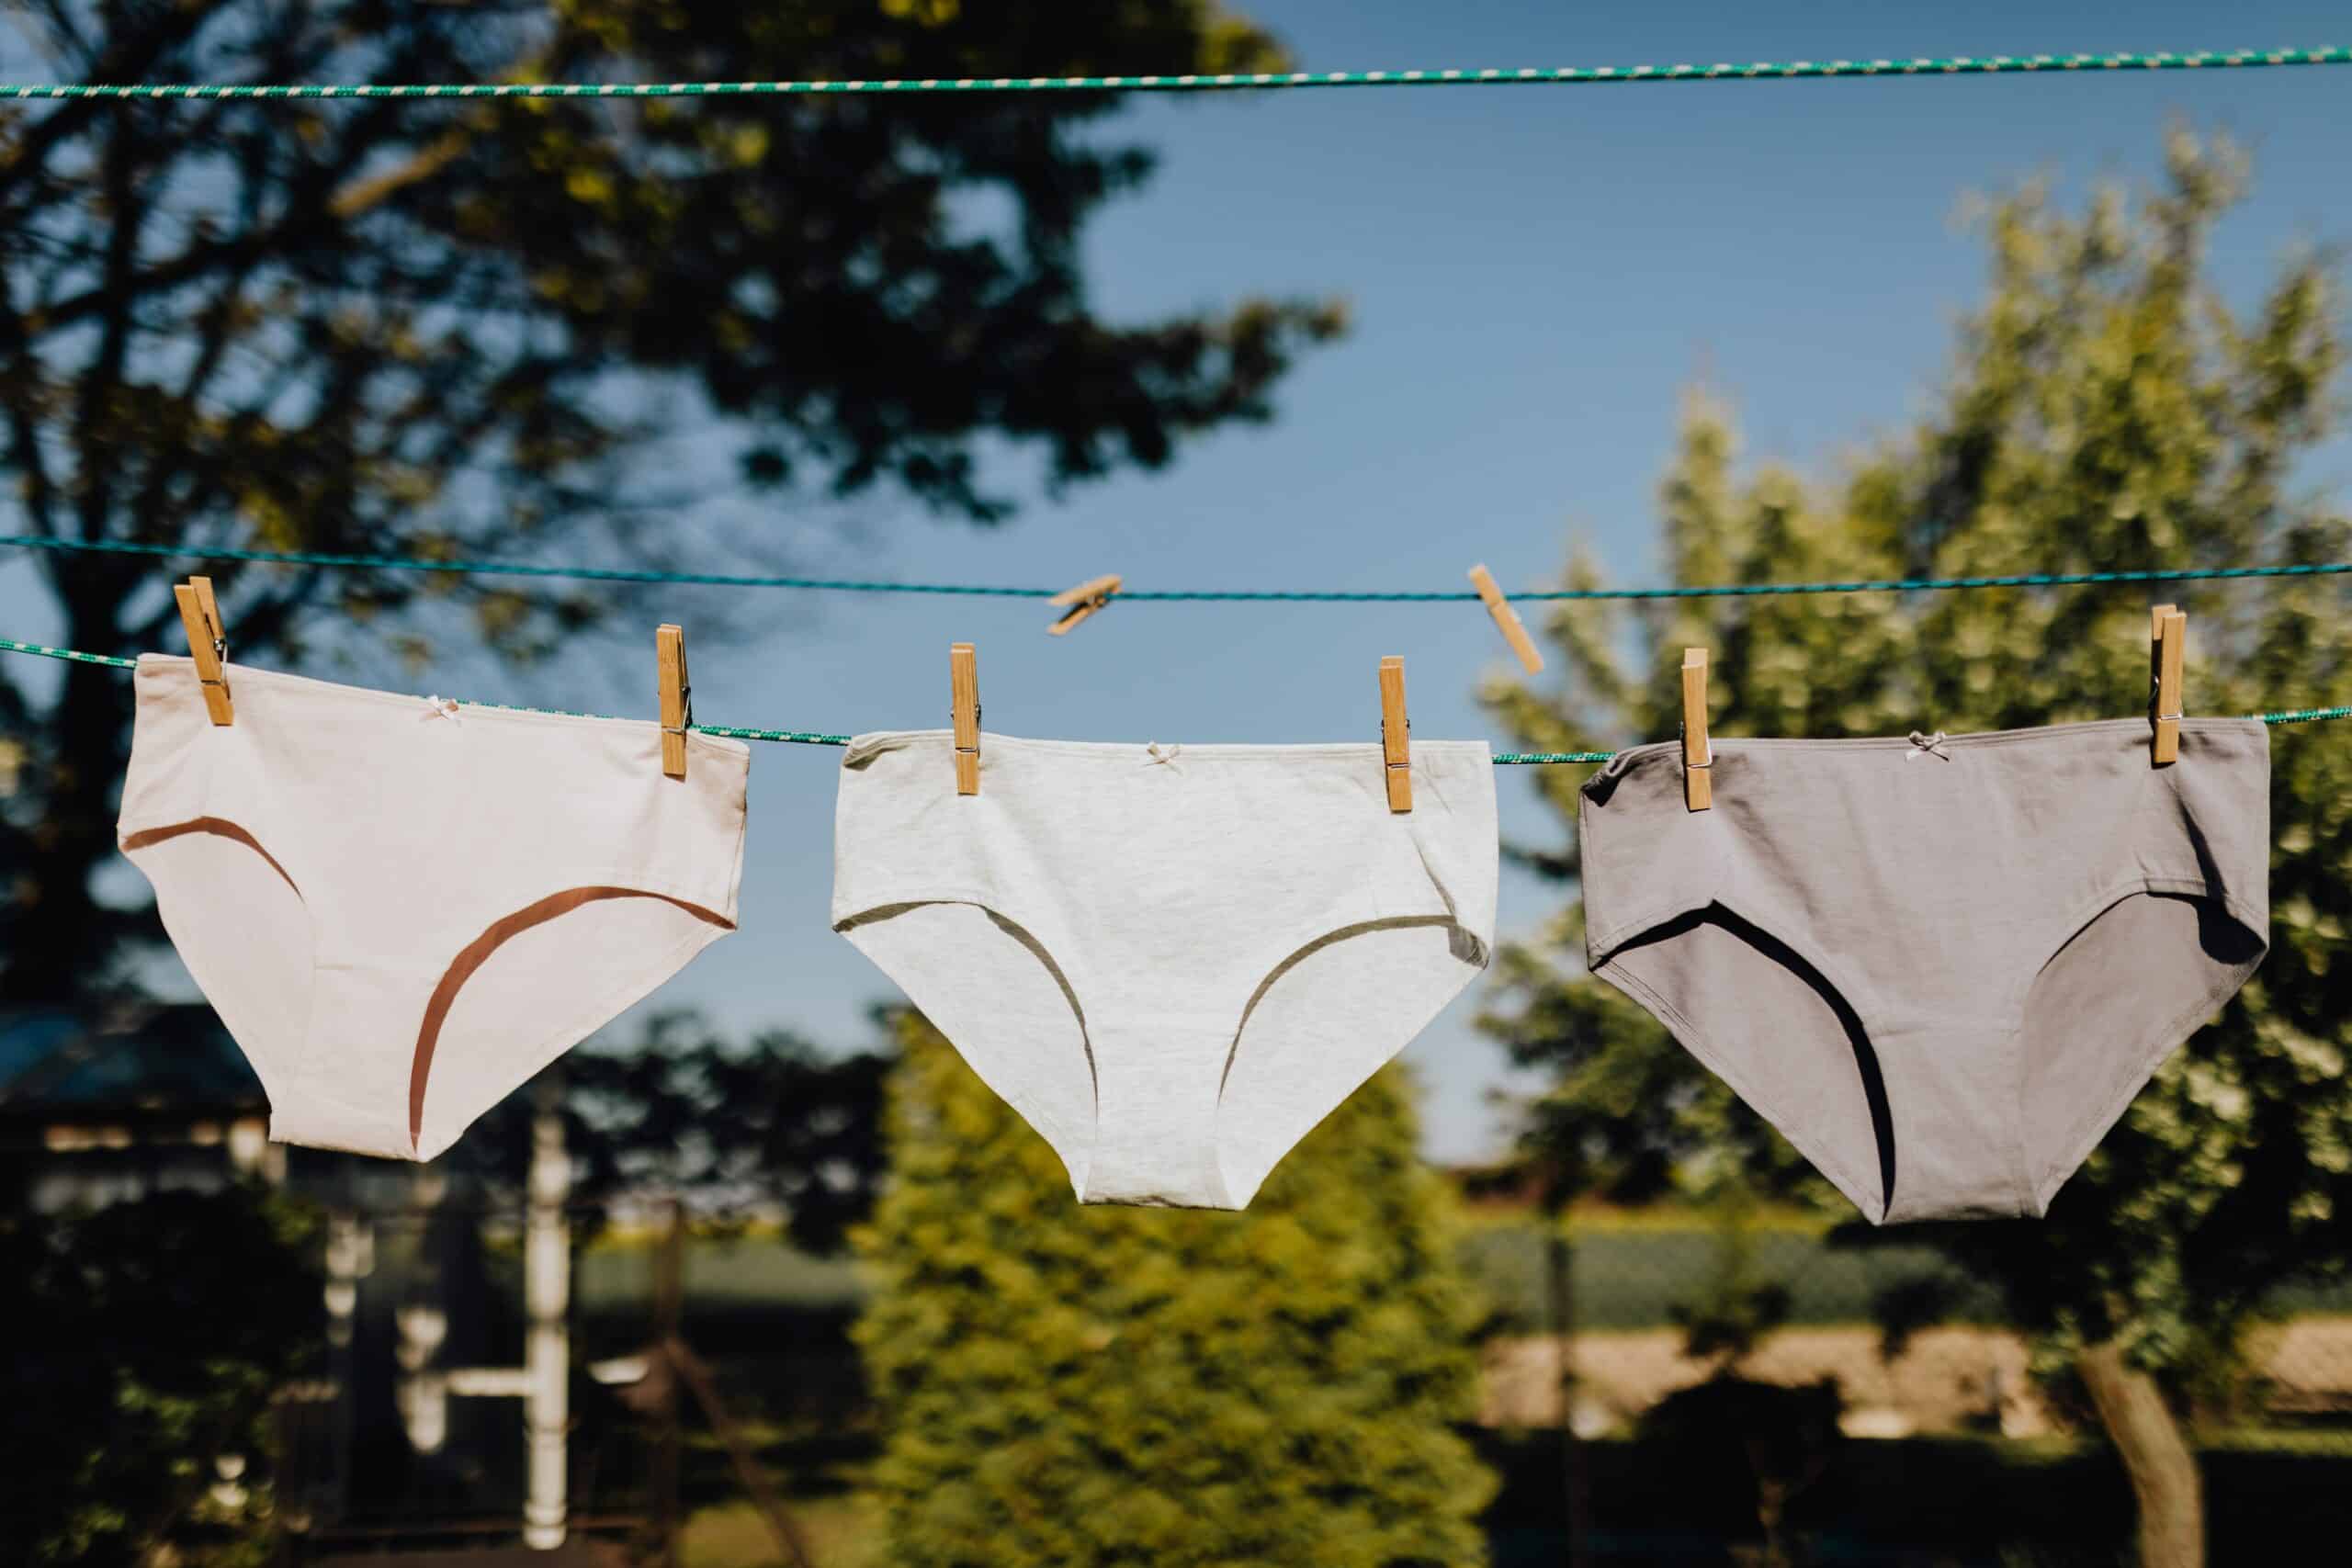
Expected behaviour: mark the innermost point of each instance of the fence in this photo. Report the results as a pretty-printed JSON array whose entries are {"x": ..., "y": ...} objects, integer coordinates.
[{"x": 1947, "y": 1442}]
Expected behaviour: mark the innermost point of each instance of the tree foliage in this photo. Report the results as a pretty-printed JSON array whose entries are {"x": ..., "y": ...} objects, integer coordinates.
[
  {"x": 729, "y": 1127},
  {"x": 1069, "y": 1385},
  {"x": 448, "y": 327},
  {"x": 2107, "y": 410},
  {"x": 1736, "y": 1304},
  {"x": 144, "y": 1341}
]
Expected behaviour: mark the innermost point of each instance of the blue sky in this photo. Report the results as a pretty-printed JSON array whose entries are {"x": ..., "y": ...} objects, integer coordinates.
[{"x": 1536, "y": 274}]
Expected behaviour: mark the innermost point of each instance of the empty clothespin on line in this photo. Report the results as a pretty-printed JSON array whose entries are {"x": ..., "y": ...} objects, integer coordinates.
[
  {"x": 677, "y": 697},
  {"x": 2168, "y": 646},
  {"x": 1396, "y": 734},
  {"x": 964, "y": 691},
  {"x": 208, "y": 644},
  {"x": 1698, "y": 751},
  {"x": 1082, "y": 601},
  {"x": 1507, "y": 619}
]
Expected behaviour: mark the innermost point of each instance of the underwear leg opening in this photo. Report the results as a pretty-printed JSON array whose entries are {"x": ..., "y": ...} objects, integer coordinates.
[
  {"x": 266, "y": 1014},
  {"x": 1866, "y": 1063},
  {"x": 1037, "y": 950},
  {"x": 931, "y": 949},
  {"x": 2186, "y": 954},
  {"x": 1329, "y": 939},
  {"x": 478, "y": 952},
  {"x": 1346, "y": 1024},
  {"x": 216, "y": 827}
]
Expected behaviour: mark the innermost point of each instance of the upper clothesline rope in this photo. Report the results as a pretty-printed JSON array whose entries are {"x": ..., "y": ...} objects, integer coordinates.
[
  {"x": 1165, "y": 596},
  {"x": 1553, "y": 76},
  {"x": 813, "y": 738}
]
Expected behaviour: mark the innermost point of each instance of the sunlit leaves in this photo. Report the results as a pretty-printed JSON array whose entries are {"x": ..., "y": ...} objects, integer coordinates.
[{"x": 2107, "y": 410}]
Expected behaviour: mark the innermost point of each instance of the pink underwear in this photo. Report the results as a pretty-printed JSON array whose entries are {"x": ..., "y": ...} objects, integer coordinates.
[{"x": 403, "y": 907}]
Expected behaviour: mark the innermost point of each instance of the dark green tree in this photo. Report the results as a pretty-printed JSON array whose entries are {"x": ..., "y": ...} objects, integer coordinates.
[
  {"x": 144, "y": 1343},
  {"x": 728, "y": 1126},
  {"x": 1066, "y": 1385},
  {"x": 448, "y": 328},
  {"x": 1737, "y": 1304},
  {"x": 2107, "y": 410}
]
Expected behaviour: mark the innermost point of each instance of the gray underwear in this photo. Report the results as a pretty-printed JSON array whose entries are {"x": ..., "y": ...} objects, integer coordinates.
[{"x": 1940, "y": 967}]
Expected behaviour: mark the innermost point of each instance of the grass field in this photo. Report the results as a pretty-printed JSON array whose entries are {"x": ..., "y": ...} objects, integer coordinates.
[
  {"x": 755, "y": 1268},
  {"x": 1626, "y": 1274},
  {"x": 841, "y": 1533}
]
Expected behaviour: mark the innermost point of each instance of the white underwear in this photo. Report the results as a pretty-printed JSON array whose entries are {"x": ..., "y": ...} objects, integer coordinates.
[
  {"x": 383, "y": 895},
  {"x": 1174, "y": 960}
]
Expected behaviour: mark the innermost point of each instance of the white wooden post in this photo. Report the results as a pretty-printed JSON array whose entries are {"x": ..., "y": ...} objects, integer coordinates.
[
  {"x": 543, "y": 1382},
  {"x": 421, "y": 1393},
  {"x": 546, "y": 1301}
]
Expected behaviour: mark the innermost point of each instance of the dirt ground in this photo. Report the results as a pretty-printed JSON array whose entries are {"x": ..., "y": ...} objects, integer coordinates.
[{"x": 1947, "y": 1380}]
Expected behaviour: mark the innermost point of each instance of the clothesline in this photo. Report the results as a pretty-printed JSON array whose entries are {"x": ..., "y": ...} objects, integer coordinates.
[
  {"x": 1164, "y": 595},
  {"x": 813, "y": 738},
  {"x": 1559, "y": 75}
]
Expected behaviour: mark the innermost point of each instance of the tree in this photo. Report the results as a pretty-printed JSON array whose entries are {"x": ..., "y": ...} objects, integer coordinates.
[
  {"x": 2107, "y": 410},
  {"x": 1069, "y": 1385},
  {"x": 145, "y": 1341},
  {"x": 731, "y": 1127},
  {"x": 1738, "y": 1305},
  {"x": 442, "y": 327}
]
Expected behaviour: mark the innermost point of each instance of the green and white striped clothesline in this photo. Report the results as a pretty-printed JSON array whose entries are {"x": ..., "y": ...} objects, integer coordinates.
[
  {"x": 812, "y": 738},
  {"x": 200, "y": 554},
  {"x": 1239, "y": 81}
]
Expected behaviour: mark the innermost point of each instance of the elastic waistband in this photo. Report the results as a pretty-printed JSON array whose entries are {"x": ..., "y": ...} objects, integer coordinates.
[
  {"x": 2079, "y": 730},
  {"x": 238, "y": 674},
  {"x": 866, "y": 745}
]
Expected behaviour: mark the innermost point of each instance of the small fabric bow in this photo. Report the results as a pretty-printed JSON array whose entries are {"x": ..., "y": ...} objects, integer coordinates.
[
  {"x": 441, "y": 707},
  {"x": 1926, "y": 745},
  {"x": 1158, "y": 753}
]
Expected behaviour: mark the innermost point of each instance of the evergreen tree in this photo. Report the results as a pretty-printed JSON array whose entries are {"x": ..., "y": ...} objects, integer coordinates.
[
  {"x": 1066, "y": 1385},
  {"x": 2107, "y": 411}
]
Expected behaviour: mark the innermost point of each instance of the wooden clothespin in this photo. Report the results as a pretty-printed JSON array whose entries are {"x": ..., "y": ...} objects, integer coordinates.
[
  {"x": 2167, "y": 646},
  {"x": 208, "y": 643},
  {"x": 1396, "y": 734},
  {"x": 1698, "y": 751},
  {"x": 1507, "y": 619},
  {"x": 1083, "y": 601},
  {"x": 677, "y": 698},
  {"x": 964, "y": 688}
]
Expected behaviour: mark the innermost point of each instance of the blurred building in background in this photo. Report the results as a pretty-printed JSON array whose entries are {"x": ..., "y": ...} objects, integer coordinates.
[{"x": 106, "y": 1105}]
